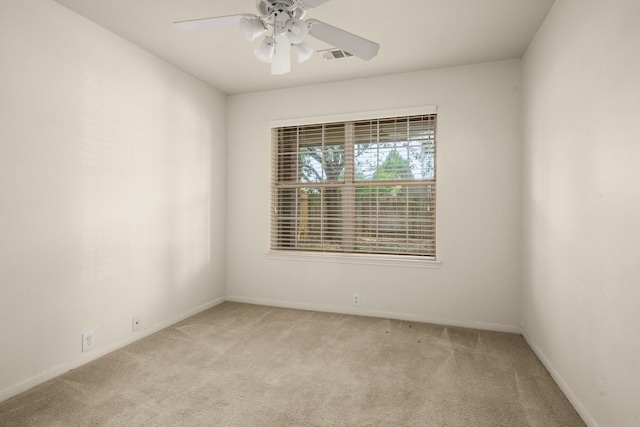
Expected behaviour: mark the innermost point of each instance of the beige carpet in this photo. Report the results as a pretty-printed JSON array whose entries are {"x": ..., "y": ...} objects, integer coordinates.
[{"x": 247, "y": 365}]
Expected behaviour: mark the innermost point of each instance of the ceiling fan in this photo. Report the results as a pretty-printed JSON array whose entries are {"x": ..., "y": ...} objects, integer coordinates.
[{"x": 281, "y": 21}]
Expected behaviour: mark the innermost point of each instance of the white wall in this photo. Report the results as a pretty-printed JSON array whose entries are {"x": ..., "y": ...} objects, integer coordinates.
[
  {"x": 478, "y": 200},
  {"x": 111, "y": 191},
  {"x": 581, "y": 204}
]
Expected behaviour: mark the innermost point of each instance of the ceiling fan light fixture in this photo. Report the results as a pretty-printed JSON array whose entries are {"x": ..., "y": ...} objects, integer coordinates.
[
  {"x": 297, "y": 30},
  {"x": 302, "y": 51},
  {"x": 265, "y": 51},
  {"x": 252, "y": 28}
]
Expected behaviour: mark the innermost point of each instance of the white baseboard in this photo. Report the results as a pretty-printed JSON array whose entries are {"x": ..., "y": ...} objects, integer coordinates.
[
  {"x": 359, "y": 311},
  {"x": 88, "y": 357},
  {"x": 93, "y": 355},
  {"x": 577, "y": 404}
]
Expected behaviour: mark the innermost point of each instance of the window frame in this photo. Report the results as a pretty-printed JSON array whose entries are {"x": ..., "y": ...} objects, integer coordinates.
[{"x": 349, "y": 257}]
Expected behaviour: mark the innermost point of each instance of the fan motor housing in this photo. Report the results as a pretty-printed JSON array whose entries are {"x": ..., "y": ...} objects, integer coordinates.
[{"x": 268, "y": 7}]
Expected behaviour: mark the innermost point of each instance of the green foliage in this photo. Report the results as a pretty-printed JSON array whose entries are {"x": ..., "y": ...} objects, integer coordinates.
[{"x": 394, "y": 167}]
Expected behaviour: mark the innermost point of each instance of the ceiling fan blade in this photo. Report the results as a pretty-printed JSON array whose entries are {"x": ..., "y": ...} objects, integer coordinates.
[
  {"x": 309, "y": 4},
  {"x": 355, "y": 45},
  {"x": 281, "y": 61},
  {"x": 212, "y": 23}
]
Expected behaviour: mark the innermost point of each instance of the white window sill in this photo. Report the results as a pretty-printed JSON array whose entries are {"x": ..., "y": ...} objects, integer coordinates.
[{"x": 363, "y": 259}]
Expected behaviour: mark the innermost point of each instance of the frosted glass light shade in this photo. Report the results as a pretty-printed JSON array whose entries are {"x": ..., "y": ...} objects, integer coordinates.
[
  {"x": 265, "y": 51},
  {"x": 297, "y": 30},
  {"x": 252, "y": 28},
  {"x": 302, "y": 51}
]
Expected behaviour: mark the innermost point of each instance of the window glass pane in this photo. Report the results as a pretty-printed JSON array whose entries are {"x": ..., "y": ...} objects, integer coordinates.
[
  {"x": 287, "y": 154},
  {"x": 311, "y": 218},
  {"x": 382, "y": 161},
  {"x": 395, "y": 219},
  {"x": 321, "y": 153},
  {"x": 393, "y": 149},
  {"x": 286, "y": 219},
  {"x": 311, "y": 169}
]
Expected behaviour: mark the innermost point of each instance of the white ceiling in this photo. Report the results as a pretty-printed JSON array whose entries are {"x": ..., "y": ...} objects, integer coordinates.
[{"x": 413, "y": 35}]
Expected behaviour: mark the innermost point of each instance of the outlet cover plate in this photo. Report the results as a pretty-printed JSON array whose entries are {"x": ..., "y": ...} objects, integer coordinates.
[
  {"x": 137, "y": 323},
  {"x": 88, "y": 340}
]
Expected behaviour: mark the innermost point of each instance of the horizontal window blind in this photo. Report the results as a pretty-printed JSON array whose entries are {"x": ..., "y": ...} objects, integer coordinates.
[{"x": 366, "y": 186}]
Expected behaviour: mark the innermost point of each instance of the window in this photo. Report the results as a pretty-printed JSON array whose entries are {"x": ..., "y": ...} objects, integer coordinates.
[{"x": 364, "y": 186}]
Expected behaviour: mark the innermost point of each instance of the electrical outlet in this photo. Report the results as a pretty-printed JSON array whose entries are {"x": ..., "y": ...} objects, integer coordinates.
[
  {"x": 356, "y": 299},
  {"x": 88, "y": 341},
  {"x": 136, "y": 323}
]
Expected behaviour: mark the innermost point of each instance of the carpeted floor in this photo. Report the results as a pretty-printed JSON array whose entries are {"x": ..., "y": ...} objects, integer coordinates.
[{"x": 247, "y": 365}]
